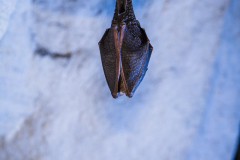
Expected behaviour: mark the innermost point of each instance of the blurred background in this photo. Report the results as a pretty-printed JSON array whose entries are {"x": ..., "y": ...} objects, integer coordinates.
[{"x": 55, "y": 103}]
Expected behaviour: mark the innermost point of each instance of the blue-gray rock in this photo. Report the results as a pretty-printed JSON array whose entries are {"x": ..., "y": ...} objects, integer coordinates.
[{"x": 55, "y": 102}]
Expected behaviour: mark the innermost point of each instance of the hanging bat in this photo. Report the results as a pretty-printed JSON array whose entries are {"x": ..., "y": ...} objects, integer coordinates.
[{"x": 125, "y": 51}]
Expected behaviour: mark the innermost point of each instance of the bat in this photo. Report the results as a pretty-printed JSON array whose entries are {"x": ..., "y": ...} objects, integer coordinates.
[{"x": 125, "y": 51}]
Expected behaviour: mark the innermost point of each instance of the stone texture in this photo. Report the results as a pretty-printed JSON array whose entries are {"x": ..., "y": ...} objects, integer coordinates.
[
  {"x": 6, "y": 10},
  {"x": 55, "y": 102}
]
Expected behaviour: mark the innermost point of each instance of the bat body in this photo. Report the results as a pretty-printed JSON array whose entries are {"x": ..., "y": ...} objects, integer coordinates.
[{"x": 125, "y": 51}]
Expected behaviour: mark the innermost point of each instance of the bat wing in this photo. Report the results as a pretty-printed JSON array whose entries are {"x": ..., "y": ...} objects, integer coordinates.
[
  {"x": 135, "y": 54},
  {"x": 110, "y": 56}
]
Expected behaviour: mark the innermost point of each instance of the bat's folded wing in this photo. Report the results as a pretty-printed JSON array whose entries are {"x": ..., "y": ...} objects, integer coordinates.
[
  {"x": 135, "y": 54},
  {"x": 110, "y": 59}
]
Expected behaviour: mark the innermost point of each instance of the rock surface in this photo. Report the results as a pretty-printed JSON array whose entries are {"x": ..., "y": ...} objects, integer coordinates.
[
  {"x": 55, "y": 103},
  {"x": 6, "y": 10}
]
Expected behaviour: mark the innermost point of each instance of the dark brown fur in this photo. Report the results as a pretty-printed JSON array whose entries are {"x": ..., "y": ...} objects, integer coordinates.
[{"x": 125, "y": 51}]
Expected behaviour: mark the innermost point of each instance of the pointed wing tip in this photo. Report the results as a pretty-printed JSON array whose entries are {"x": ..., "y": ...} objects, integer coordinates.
[
  {"x": 130, "y": 95},
  {"x": 114, "y": 95}
]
